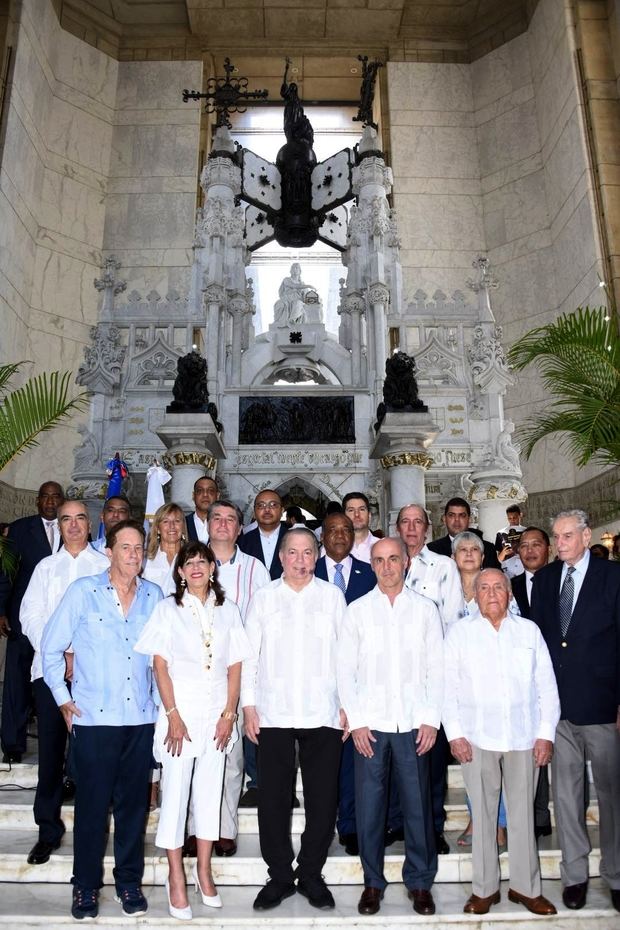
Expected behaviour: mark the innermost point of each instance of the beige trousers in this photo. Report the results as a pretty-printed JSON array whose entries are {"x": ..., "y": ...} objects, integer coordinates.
[{"x": 483, "y": 780}]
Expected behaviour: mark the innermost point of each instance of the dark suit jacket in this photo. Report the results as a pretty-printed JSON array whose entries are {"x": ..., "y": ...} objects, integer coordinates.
[
  {"x": 30, "y": 544},
  {"x": 519, "y": 590},
  {"x": 191, "y": 526},
  {"x": 443, "y": 546},
  {"x": 250, "y": 544},
  {"x": 361, "y": 580},
  {"x": 587, "y": 668}
]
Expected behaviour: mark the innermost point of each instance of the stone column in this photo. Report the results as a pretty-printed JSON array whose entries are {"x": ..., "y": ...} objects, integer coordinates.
[
  {"x": 379, "y": 299},
  {"x": 214, "y": 297},
  {"x": 402, "y": 446},
  {"x": 237, "y": 307},
  {"x": 193, "y": 448},
  {"x": 354, "y": 305},
  {"x": 491, "y": 491}
]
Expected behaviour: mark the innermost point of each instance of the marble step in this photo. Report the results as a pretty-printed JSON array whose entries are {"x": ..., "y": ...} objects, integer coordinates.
[
  {"x": 16, "y": 813},
  {"x": 248, "y": 868},
  {"x": 41, "y": 905}
]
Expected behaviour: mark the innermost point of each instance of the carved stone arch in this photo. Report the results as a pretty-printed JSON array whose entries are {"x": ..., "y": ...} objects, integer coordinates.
[
  {"x": 306, "y": 491},
  {"x": 435, "y": 364},
  {"x": 154, "y": 368}
]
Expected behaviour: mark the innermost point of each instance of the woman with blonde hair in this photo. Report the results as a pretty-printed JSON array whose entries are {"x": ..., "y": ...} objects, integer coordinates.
[
  {"x": 198, "y": 643},
  {"x": 168, "y": 533}
]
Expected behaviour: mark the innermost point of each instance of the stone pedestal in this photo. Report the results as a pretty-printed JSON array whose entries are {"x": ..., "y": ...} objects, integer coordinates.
[
  {"x": 491, "y": 491},
  {"x": 193, "y": 448},
  {"x": 401, "y": 445}
]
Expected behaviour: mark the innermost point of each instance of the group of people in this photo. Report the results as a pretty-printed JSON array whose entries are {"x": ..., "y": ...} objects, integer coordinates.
[{"x": 366, "y": 661}]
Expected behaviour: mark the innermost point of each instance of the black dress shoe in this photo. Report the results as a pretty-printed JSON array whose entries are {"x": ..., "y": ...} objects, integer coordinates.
[
  {"x": 41, "y": 851},
  {"x": 370, "y": 901},
  {"x": 273, "y": 894},
  {"x": 317, "y": 893},
  {"x": 442, "y": 844},
  {"x": 68, "y": 790},
  {"x": 574, "y": 896},
  {"x": 542, "y": 831},
  {"x": 615, "y": 898},
  {"x": 190, "y": 847},
  {"x": 349, "y": 841},
  {"x": 225, "y": 847},
  {"x": 394, "y": 836},
  {"x": 422, "y": 901},
  {"x": 12, "y": 758},
  {"x": 250, "y": 798}
]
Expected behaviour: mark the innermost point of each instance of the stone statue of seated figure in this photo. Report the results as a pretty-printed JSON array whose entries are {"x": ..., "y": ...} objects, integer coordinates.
[{"x": 298, "y": 302}]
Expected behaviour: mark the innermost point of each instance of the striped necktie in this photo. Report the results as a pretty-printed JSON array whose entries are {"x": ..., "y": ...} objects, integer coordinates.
[
  {"x": 49, "y": 531},
  {"x": 339, "y": 578},
  {"x": 566, "y": 600}
]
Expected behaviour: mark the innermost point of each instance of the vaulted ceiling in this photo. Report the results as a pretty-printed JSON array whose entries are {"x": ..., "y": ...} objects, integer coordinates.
[{"x": 429, "y": 30}]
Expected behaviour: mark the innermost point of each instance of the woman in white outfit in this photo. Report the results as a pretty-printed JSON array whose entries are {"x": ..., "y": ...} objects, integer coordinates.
[
  {"x": 197, "y": 642},
  {"x": 168, "y": 533}
]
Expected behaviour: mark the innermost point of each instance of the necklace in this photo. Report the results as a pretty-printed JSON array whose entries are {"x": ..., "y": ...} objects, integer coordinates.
[{"x": 206, "y": 628}]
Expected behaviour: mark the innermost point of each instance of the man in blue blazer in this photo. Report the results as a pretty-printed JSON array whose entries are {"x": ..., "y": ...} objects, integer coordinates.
[
  {"x": 264, "y": 542},
  {"x": 576, "y": 604},
  {"x": 32, "y": 539},
  {"x": 354, "y": 578}
]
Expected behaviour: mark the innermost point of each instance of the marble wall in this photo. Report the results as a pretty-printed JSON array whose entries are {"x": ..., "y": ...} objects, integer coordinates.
[
  {"x": 53, "y": 179},
  {"x": 151, "y": 193},
  {"x": 490, "y": 157},
  {"x": 100, "y": 158}
]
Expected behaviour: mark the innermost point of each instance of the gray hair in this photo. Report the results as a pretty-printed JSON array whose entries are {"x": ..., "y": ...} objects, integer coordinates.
[
  {"x": 484, "y": 571},
  {"x": 396, "y": 539},
  {"x": 582, "y": 518},
  {"x": 467, "y": 537},
  {"x": 297, "y": 530},
  {"x": 224, "y": 503},
  {"x": 418, "y": 507}
]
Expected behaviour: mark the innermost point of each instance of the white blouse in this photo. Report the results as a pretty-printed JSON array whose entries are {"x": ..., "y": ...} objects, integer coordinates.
[
  {"x": 159, "y": 570},
  {"x": 179, "y": 635}
]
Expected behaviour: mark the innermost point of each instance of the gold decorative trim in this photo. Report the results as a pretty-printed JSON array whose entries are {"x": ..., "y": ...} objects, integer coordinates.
[
  {"x": 421, "y": 459},
  {"x": 189, "y": 458}
]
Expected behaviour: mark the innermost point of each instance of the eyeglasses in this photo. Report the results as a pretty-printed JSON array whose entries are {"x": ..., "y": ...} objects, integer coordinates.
[{"x": 267, "y": 505}]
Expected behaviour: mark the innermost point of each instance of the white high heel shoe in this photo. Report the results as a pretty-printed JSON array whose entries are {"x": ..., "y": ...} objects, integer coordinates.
[
  {"x": 213, "y": 900},
  {"x": 180, "y": 913}
]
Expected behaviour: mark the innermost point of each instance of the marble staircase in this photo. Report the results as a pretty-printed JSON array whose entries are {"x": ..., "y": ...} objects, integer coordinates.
[{"x": 37, "y": 896}]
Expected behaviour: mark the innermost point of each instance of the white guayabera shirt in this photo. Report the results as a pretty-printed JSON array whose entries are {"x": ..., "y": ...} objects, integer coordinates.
[
  {"x": 501, "y": 693},
  {"x": 436, "y": 576},
  {"x": 50, "y": 579},
  {"x": 291, "y": 680},
  {"x": 390, "y": 662}
]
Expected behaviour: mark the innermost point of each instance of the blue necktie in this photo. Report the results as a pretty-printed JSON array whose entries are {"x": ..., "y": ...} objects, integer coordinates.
[{"x": 339, "y": 578}]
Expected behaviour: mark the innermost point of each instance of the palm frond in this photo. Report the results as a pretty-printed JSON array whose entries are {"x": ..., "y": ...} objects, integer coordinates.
[
  {"x": 35, "y": 407},
  {"x": 7, "y": 372},
  {"x": 578, "y": 357},
  {"x": 8, "y": 560}
]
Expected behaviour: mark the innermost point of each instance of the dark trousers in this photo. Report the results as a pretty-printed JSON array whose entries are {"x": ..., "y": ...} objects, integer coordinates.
[
  {"x": 346, "y": 791},
  {"x": 319, "y": 758},
  {"x": 17, "y": 692},
  {"x": 542, "y": 815},
  {"x": 52, "y": 743},
  {"x": 112, "y": 767},
  {"x": 371, "y": 800},
  {"x": 249, "y": 762},
  {"x": 438, "y": 759}
]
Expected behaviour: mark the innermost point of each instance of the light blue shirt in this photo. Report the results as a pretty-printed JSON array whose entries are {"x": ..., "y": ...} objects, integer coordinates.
[
  {"x": 579, "y": 574},
  {"x": 112, "y": 684}
]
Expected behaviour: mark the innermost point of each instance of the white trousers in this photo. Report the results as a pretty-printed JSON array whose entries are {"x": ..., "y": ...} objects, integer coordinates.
[
  {"x": 233, "y": 781},
  {"x": 204, "y": 777}
]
